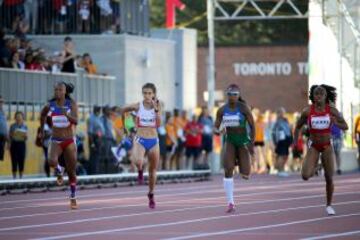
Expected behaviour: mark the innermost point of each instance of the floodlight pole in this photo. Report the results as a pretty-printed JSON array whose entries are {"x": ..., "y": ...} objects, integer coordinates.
[{"x": 211, "y": 56}]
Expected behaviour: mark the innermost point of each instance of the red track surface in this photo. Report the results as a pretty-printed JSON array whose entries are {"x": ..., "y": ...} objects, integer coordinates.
[{"x": 267, "y": 207}]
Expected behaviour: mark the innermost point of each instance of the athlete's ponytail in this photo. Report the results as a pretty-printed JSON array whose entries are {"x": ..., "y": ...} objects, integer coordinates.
[{"x": 69, "y": 90}]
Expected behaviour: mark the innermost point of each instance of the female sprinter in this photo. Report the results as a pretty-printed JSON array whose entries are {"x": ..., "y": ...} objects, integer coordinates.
[
  {"x": 319, "y": 116},
  {"x": 62, "y": 111},
  {"x": 146, "y": 140},
  {"x": 236, "y": 117}
]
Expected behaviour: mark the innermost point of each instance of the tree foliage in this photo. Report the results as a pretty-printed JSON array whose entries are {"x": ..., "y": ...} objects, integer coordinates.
[{"x": 244, "y": 32}]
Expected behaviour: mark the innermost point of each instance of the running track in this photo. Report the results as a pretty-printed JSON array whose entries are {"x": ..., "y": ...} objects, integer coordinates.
[{"x": 267, "y": 208}]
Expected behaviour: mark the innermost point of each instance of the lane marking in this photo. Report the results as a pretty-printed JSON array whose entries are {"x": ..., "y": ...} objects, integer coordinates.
[
  {"x": 216, "y": 186},
  {"x": 215, "y": 190},
  {"x": 206, "y": 219},
  {"x": 159, "y": 212},
  {"x": 334, "y": 235},
  {"x": 181, "y": 201}
]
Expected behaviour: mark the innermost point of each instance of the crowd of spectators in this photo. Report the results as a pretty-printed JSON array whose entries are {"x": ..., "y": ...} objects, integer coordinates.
[
  {"x": 60, "y": 16},
  {"x": 19, "y": 53}
]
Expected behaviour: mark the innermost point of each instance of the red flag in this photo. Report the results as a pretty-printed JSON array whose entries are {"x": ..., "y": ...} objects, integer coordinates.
[{"x": 170, "y": 11}]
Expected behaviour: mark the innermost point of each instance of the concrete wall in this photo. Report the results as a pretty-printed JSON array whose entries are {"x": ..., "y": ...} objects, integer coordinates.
[
  {"x": 133, "y": 60},
  {"x": 150, "y": 60},
  {"x": 186, "y": 64}
]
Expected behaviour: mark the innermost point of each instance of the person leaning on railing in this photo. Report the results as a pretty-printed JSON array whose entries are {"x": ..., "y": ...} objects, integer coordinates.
[{"x": 88, "y": 64}]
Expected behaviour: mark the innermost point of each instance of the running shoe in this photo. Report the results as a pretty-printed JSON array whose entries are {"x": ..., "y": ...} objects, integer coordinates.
[
  {"x": 59, "y": 177},
  {"x": 230, "y": 208},
  {"x": 140, "y": 177},
  {"x": 330, "y": 211},
  {"x": 151, "y": 200},
  {"x": 73, "y": 203}
]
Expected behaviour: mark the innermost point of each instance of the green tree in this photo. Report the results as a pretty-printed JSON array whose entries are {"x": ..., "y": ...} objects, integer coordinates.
[{"x": 244, "y": 32}]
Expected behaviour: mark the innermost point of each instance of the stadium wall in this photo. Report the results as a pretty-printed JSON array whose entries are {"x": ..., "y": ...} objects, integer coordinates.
[
  {"x": 268, "y": 76},
  {"x": 133, "y": 60}
]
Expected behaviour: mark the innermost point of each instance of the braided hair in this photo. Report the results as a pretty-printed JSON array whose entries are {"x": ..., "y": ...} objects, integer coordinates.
[{"x": 330, "y": 93}]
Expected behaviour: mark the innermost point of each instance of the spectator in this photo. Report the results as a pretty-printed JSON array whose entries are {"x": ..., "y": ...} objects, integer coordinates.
[
  {"x": 15, "y": 61},
  {"x": 3, "y": 129},
  {"x": 171, "y": 140},
  {"x": 259, "y": 157},
  {"x": 193, "y": 133},
  {"x": 207, "y": 136},
  {"x": 282, "y": 138},
  {"x": 115, "y": 5},
  {"x": 12, "y": 9},
  {"x": 337, "y": 139},
  {"x": 297, "y": 149},
  {"x": 95, "y": 129},
  {"x": 25, "y": 46},
  {"x": 18, "y": 136},
  {"x": 29, "y": 61},
  {"x": 84, "y": 12},
  {"x": 270, "y": 119},
  {"x": 5, "y": 54},
  {"x": 2, "y": 38},
  {"x": 68, "y": 56},
  {"x": 43, "y": 141},
  {"x": 179, "y": 124},
  {"x": 357, "y": 136},
  {"x": 105, "y": 13},
  {"x": 162, "y": 146},
  {"x": 20, "y": 28},
  {"x": 108, "y": 141},
  {"x": 55, "y": 62},
  {"x": 44, "y": 16},
  {"x": 88, "y": 64}
]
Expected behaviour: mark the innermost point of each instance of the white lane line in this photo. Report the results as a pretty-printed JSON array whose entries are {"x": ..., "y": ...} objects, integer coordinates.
[
  {"x": 334, "y": 235},
  {"x": 215, "y": 186},
  {"x": 168, "y": 202},
  {"x": 257, "y": 228},
  {"x": 212, "y": 186},
  {"x": 239, "y": 197},
  {"x": 216, "y": 190},
  {"x": 84, "y": 234},
  {"x": 147, "y": 213},
  {"x": 174, "y": 201},
  {"x": 108, "y": 194}
]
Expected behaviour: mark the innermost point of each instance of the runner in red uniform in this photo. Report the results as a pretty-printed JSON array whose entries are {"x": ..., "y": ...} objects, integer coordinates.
[{"x": 319, "y": 116}]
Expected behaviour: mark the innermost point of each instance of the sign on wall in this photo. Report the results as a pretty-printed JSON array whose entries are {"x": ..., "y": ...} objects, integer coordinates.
[{"x": 270, "y": 68}]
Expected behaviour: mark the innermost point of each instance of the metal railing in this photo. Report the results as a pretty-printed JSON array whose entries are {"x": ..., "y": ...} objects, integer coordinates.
[
  {"x": 76, "y": 16},
  {"x": 22, "y": 87}
]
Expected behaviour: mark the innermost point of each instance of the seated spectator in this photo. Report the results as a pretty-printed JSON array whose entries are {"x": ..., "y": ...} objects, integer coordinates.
[
  {"x": 20, "y": 28},
  {"x": 5, "y": 54},
  {"x": 15, "y": 61},
  {"x": 29, "y": 61},
  {"x": 88, "y": 64}
]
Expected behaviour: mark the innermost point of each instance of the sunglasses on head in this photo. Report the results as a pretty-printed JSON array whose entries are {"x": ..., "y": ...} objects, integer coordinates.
[{"x": 233, "y": 93}]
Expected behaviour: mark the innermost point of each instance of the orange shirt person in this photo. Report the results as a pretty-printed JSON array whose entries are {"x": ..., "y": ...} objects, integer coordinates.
[{"x": 88, "y": 64}]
